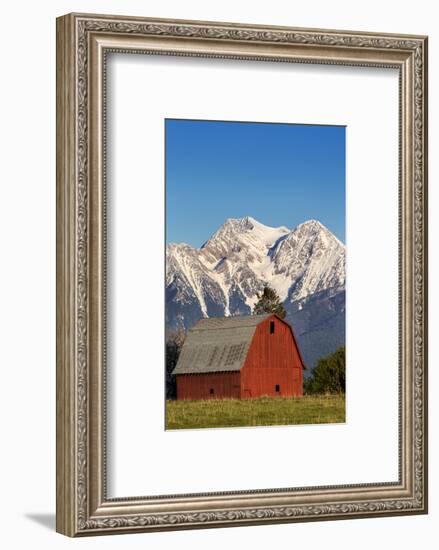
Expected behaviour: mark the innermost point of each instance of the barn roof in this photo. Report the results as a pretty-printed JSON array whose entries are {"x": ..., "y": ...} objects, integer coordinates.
[
  {"x": 219, "y": 344},
  {"x": 238, "y": 321}
]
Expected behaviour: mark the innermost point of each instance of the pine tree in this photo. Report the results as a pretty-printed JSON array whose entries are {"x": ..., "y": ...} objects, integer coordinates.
[{"x": 269, "y": 302}]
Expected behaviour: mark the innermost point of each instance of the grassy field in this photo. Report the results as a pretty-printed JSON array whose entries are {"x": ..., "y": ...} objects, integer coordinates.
[{"x": 266, "y": 411}]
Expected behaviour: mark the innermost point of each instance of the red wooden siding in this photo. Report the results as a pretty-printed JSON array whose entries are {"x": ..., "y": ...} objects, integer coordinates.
[
  {"x": 272, "y": 360},
  {"x": 198, "y": 386},
  {"x": 272, "y": 367}
]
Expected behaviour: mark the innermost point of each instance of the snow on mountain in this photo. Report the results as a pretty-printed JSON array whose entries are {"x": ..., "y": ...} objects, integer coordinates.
[
  {"x": 308, "y": 260},
  {"x": 231, "y": 268}
]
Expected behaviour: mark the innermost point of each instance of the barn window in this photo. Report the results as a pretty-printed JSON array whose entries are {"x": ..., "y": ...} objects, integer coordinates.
[
  {"x": 277, "y": 388},
  {"x": 271, "y": 327},
  {"x": 211, "y": 391}
]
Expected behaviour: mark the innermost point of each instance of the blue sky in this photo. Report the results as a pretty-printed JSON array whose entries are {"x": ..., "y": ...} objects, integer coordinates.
[{"x": 280, "y": 174}]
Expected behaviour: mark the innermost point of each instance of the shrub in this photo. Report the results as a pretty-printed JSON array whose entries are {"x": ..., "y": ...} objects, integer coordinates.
[{"x": 329, "y": 375}]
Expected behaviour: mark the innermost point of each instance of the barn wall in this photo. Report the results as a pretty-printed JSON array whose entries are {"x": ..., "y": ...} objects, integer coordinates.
[
  {"x": 197, "y": 386},
  {"x": 272, "y": 359}
]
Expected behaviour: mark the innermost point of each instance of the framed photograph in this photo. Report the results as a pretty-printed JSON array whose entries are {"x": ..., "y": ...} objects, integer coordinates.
[
  {"x": 235, "y": 293},
  {"x": 241, "y": 274}
]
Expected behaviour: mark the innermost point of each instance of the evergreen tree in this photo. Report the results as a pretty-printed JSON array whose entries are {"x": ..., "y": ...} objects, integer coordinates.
[
  {"x": 269, "y": 302},
  {"x": 329, "y": 376}
]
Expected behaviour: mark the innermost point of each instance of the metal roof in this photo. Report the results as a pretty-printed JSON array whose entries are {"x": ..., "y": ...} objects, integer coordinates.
[{"x": 219, "y": 344}]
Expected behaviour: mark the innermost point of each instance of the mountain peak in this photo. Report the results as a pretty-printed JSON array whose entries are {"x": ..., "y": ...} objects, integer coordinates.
[
  {"x": 314, "y": 227},
  {"x": 249, "y": 224},
  {"x": 243, "y": 224},
  {"x": 246, "y": 233},
  {"x": 312, "y": 223}
]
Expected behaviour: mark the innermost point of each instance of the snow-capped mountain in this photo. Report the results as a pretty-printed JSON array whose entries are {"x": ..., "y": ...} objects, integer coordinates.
[{"x": 306, "y": 267}]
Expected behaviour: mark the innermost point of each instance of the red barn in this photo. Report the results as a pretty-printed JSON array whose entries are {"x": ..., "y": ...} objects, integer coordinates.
[{"x": 240, "y": 357}]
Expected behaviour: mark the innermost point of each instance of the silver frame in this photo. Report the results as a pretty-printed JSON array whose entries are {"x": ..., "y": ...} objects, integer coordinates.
[{"x": 83, "y": 41}]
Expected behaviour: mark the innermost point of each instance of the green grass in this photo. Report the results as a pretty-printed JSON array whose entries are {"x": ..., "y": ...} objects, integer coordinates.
[{"x": 266, "y": 411}]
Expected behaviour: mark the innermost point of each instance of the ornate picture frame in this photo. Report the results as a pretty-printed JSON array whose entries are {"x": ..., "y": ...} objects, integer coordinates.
[{"x": 83, "y": 41}]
